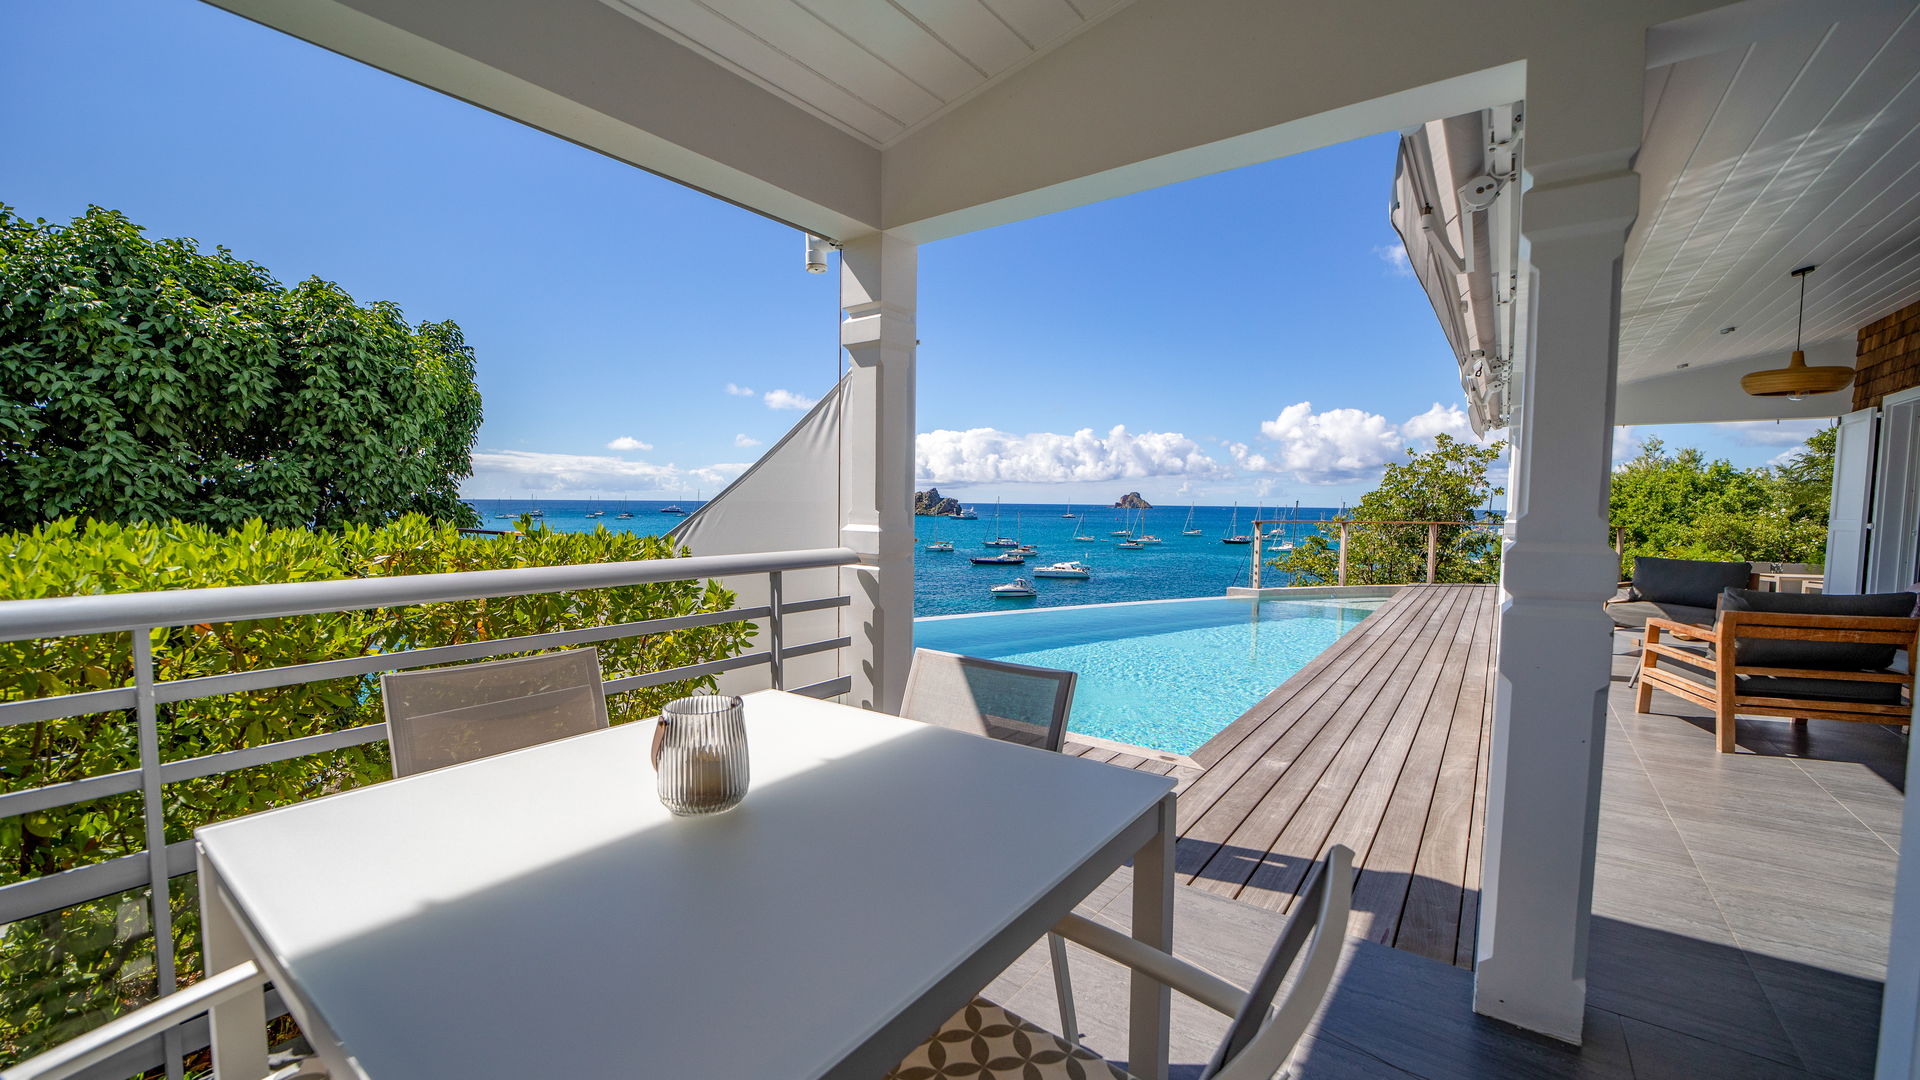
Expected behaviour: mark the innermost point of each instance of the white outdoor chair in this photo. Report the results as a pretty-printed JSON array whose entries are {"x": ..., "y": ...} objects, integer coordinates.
[
  {"x": 444, "y": 716},
  {"x": 986, "y": 1042},
  {"x": 970, "y": 694}
]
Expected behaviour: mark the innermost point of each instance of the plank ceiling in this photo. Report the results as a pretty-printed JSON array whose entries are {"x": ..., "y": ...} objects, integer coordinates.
[
  {"x": 1799, "y": 149},
  {"x": 877, "y": 69}
]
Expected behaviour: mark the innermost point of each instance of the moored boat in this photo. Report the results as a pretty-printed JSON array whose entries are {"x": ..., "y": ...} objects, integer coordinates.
[
  {"x": 1018, "y": 587},
  {"x": 1008, "y": 558},
  {"x": 671, "y": 510},
  {"x": 940, "y": 545},
  {"x": 1070, "y": 569}
]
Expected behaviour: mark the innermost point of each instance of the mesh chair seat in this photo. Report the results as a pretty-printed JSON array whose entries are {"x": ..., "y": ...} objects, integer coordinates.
[{"x": 984, "y": 1041}]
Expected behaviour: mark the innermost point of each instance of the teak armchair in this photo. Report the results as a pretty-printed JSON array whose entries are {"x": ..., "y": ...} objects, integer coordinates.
[{"x": 1715, "y": 677}]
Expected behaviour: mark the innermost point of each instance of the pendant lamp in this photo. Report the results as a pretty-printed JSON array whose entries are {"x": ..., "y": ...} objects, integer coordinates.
[{"x": 1797, "y": 380}]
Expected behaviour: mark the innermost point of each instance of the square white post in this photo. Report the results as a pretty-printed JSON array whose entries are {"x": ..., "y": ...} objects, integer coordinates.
[
  {"x": 878, "y": 289},
  {"x": 1554, "y": 662}
]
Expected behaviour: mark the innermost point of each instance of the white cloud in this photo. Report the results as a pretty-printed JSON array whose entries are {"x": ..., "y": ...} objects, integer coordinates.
[
  {"x": 744, "y": 440},
  {"x": 628, "y": 442},
  {"x": 1343, "y": 446},
  {"x": 509, "y": 473},
  {"x": 739, "y": 391},
  {"x": 787, "y": 399},
  {"x": 986, "y": 455},
  {"x": 1626, "y": 445},
  {"x": 1395, "y": 256},
  {"x": 1772, "y": 432}
]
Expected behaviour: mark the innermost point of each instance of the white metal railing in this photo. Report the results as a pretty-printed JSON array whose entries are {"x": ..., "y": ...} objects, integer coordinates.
[{"x": 140, "y": 613}]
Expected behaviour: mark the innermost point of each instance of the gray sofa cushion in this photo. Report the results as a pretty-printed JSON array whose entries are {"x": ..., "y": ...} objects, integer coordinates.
[
  {"x": 1686, "y": 581},
  {"x": 1633, "y": 614},
  {"x": 1838, "y": 691},
  {"x": 1821, "y": 655}
]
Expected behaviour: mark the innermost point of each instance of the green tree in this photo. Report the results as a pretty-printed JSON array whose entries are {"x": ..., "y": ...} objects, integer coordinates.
[
  {"x": 1449, "y": 484},
  {"x": 146, "y": 380},
  {"x": 1681, "y": 505}
]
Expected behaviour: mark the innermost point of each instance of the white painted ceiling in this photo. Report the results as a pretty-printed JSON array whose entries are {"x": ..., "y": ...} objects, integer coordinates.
[
  {"x": 877, "y": 69},
  {"x": 1803, "y": 148}
]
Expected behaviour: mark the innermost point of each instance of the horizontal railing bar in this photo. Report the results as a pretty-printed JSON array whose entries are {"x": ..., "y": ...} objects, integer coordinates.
[
  {"x": 686, "y": 671},
  {"x": 60, "y": 616},
  {"x": 828, "y": 688},
  {"x": 15, "y": 803},
  {"x": 54, "y": 892},
  {"x": 34, "y": 710},
  {"x": 70, "y": 1058},
  {"x": 812, "y": 647},
  {"x": 350, "y": 666},
  {"x": 267, "y": 753},
  {"x": 823, "y": 604}
]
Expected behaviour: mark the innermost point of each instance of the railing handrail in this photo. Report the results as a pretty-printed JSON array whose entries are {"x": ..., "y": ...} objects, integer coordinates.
[
  {"x": 1365, "y": 521},
  {"x": 103, "y": 613}
]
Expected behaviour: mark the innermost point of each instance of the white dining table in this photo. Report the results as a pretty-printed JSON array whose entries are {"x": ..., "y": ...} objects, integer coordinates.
[{"x": 539, "y": 913}]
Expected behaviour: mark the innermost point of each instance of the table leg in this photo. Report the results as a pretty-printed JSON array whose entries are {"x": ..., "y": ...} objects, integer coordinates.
[
  {"x": 239, "y": 1024},
  {"x": 1150, "y": 1002}
]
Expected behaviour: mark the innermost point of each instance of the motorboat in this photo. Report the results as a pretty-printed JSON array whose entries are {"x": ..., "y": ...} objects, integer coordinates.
[
  {"x": 940, "y": 545},
  {"x": 1015, "y": 589},
  {"x": 1070, "y": 569},
  {"x": 671, "y": 510},
  {"x": 623, "y": 515},
  {"x": 967, "y": 514},
  {"x": 1149, "y": 539},
  {"x": 1131, "y": 545},
  {"x": 1006, "y": 558}
]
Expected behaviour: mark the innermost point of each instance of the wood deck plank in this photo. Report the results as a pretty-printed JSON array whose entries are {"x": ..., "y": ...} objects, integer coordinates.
[
  {"x": 1233, "y": 785},
  {"x": 1430, "y": 923},
  {"x": 1325, "y": 794},
  {"x": 1463, "y": 952},
  {"x": 1380, "y": 894}
]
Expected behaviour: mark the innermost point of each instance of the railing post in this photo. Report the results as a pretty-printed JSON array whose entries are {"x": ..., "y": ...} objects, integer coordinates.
[
  {"x": 1258, "y": 547},
  {"x": 1619, "y": 540},
  {"x": 776, "y": 637},
  {"x": 147, "y": 723},
  {"x": 1433, "y": 549},
  {"x": 1343, "y": 553}
]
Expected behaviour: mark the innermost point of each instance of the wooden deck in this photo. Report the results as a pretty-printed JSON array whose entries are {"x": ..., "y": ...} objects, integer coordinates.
[{"x": 1380, "y": 744}]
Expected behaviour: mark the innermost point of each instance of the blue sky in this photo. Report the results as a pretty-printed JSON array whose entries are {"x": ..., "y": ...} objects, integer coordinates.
[{"x": 1245, "y": 336}]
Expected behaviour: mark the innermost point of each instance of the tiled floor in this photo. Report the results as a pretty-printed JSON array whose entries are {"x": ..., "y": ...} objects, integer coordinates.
[{"x": 1741, "y": 908}]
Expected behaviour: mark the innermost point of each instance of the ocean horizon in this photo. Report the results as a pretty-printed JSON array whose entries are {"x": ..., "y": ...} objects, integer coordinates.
[{"x": 946, "y": 583}]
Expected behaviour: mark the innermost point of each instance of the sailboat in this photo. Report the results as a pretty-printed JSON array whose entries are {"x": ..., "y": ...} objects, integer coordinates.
[
  {"x": 1069, "y": 512},
  {"x": 1234, "y": 535},
  {"x": 1000, "y": 539},
  {"x": 939, "y": 544},
  {"x": 1188, "y": 529},
  {"x": 1080, "y": 531}
]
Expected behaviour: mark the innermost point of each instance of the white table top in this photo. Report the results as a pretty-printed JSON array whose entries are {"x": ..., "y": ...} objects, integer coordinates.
[{"x": 540, "y": 914}]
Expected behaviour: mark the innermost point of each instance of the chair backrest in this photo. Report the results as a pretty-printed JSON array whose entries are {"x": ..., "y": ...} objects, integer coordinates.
[
  {"x": 968, "y": 693},
  {"x": 444, "y": 716},
  {"x": 1256, "y": 1045}
]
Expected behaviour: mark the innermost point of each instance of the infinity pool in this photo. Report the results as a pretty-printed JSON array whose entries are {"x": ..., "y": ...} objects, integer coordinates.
[{"x": 1164, "y": 674}]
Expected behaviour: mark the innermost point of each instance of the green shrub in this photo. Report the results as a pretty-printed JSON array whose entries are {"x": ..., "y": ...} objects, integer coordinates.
[{"x": 59, "y": 977}]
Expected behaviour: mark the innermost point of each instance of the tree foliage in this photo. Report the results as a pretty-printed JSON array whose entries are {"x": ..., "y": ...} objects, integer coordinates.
[
  {"x": 1682, "y": 505},
  {"x": 146, "y": 380},
  {"x": 64, "y": 974},
  {"x": 1448, "y": 483}
]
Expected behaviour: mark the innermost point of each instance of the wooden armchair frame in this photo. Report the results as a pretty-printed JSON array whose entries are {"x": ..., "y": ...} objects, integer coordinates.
[{"x": 1723, "y": 695}]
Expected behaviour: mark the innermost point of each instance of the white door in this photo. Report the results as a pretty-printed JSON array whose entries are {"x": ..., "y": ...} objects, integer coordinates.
[
  {"x": 1852, "y": 500},
  {"x": 1896, "y": 494}
]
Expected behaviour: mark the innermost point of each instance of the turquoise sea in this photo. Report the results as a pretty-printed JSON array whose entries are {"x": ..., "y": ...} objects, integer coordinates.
[{"x": 945, "y": 583}]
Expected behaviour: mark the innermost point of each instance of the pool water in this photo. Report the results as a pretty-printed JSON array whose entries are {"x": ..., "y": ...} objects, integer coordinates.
[{"x": 1165, "y": 674}]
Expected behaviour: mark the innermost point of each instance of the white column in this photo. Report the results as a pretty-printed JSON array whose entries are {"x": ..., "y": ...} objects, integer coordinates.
[
  {"x": 1554, "y": 640},
  {"x": 1899, "y": 1057},
  {"x": 878, "y": 283}
]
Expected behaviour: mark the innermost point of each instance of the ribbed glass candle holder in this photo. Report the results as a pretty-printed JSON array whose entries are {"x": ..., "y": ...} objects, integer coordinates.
[{"x": 700, "y": 754}]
